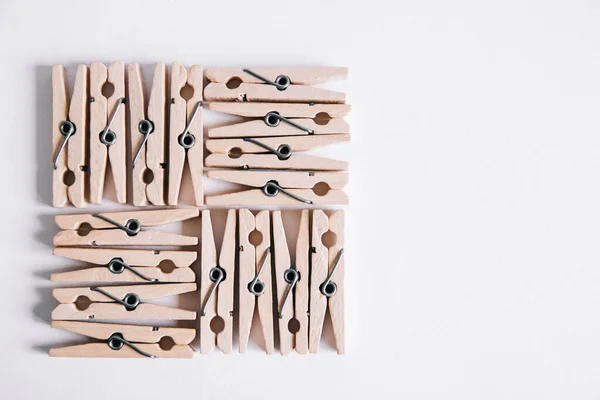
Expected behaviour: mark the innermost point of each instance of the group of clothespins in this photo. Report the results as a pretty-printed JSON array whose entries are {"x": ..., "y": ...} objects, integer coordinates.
[
  {"x": 287, "y": 117},
  {"x": 302, "y": 293}
]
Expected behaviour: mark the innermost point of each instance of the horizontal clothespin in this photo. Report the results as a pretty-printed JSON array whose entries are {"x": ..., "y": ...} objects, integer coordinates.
[
  {"x": 217, "y": 285},
  {"x": 126, "y": 341},
  {"x": 120, "y": 302},
  {"x": 327, "y": 279},
  {"x": 123, "y": 228},
  {"x": 281, "y": 188},
  {"x": 286, "y": 85},
  {"x": 123, "y": 265},
  {"x": 69, "y": 138},
  {"x": 280, "y": 119},
  {"x": 107, "y": 129},
  {"x": 255, "y": 274},
  {"x": 281, "y": 153},
  {"x": 185, "y": 131},
  {"x": 148, "y": 135}
]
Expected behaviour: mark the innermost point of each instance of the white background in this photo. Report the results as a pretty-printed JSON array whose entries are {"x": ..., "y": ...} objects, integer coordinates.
[{"x": 473, "y": 268}]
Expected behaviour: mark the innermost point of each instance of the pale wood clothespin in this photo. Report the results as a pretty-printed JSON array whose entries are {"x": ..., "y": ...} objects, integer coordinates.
[
  {"x": 120, "y": 302},
  {"x": 148, "y": 135},
  {"x": 217, "y": 285},
  {"x": 286, "y": 85},
  {"x": 327, "y": 279},
  {"x": 123, "y": 228},
  {"x": 124, "y": 265},
  {"x": 108, "y": 141},
  {"x": 255, "y": 274},
  {"x": 281, "y": 188},
  {"x": 125, "y": 341},
  {"x": 185, "y": 132},
  {"x": 69, "y": 138}
]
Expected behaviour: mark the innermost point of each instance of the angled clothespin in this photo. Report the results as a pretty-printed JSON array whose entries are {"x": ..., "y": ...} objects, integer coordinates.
[
  {"x": 282, "y": 119},
  {"x": 120, "y": 302},
  {"x": 327, "y": 279},
  {"x": 125, "y": 341},
  {"x": 148, "y": 133},
  {"x": 69, "y": 137},
  {"x": 216, "y": 286},
  {"x": 255, "y": 274},
  {"x": 286, "y": 85},
  {"x": 107, "y": 129},
  {"x": 123, "y": 228},
  {"x": 121, "y": 265},
  {"x": 186, "y": 134},
  {"x": 281, "y": 188}
]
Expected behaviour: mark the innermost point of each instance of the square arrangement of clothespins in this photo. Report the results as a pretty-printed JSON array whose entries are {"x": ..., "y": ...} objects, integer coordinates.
[{"x": 110, "y": 122}]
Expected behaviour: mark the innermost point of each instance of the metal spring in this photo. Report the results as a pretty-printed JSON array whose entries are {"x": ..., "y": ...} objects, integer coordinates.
[
  {"x": 186, "y": 139},
  {"x": 273, "y": 119},
  {"x": 281, "y": 81},
  {"x": 272, "y": 188},
  {"x": 117, "y": 266},
  {"x": 67, "y": 129},
  {"x": 291, "y": 276},
  {"x": 329, "y": 288},
  {"x": 216, "y": 275},
  {"x": 145, "y": 127},
  {"x": 116, "y": 342},
  {"x": 256, "y": 286},
  {"x": 108, "y": 137},
  {"x": 130, "y": 301},
  {"x": 131, "y": 227},
  {"x": 283, "y": 152}
]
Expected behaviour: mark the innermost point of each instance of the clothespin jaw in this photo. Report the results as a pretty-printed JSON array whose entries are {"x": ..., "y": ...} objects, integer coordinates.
[
  {"x": 287, "y": 85},
  {"x": 255, "y": 273},
  {"x": 124, "y": 265},
  {"x": 281, "y": 188},
  {"x": 120, "y": 302},
  {"x": 107, "y": 129},
  {"x": 125, "y": 341},
  {"x": 186, "y": 131},
  {"x": 148, "y": 133},
  {"x": 69, "y": 137},
  {"x": 217, "y": 285},
  {"x": 327, "y": 278},
  {"x": 123, "y": 228}
]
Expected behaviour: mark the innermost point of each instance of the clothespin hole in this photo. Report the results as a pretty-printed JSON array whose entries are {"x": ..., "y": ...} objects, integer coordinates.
[
  {"x": 82, "y": 303},
  {"x": 329, "y": 239},
  {"x": 217, "y": 324},
  {"x": 68, "y": 178},
  {"x": 234, "y": 152},
  {"x": 148, "y": 176},
  {"x": 321, "y": 189},
  {"x": 234, "y": 83},
  {"x": 166, "y": 343},
  {"x": 293, "y": 325},
  {"x": 255, "y": 237},
  {"x": 187, "y": 92},
  {"x": 84, "y": 229},
  {"x": 166, "y": 266},
  {"x": 108, "y": 89},
  {"x": 322, "y": 118}
]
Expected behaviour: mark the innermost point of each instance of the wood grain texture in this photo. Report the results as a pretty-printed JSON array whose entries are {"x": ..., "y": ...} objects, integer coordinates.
[
  {"x": 145, "y": 292},
  {"x": 301, "y": 295},
  {"x": 288, "y": 110},
  {"x": 259, "y": 128},
  {"x": 118, "y": 151},
  {"x": 288, "y": 179},
  {"x": 137, "y": 112},
  {"x": 225, "y": 304},
  {"x": 336, "y": 302},
  {"x": 297, "y": 143},
  {"x": 133, "y": 333},
  {"x": 155, "y": 147},
  {"x": 265, "y": 301},
  {"x": 297, "y": 75},
  {"x": 247, "y": 265},
  {"x": 195, "y": 154},
  {"x": 281, "y": 255},
  {"x": 268, "y": 161},
  {"x": 256, "y": 197},
  {"x": 102, "y": 350},
  {"x": 103, "y": 274},
  {"x": 146, "y": 218},
  {"x": 208, "y": 261},
  {"x": 106, "y": 311},
  {"x": 76, "y": 148},
  {"x": 117, "y": 237},
  {"x": 59, "y": 114},
  {"x": 319, "y": 268},
  {"x": 98, "y": 118},
  {"x": 258, "y": 92},
  {"x": 141, "y": 258}
]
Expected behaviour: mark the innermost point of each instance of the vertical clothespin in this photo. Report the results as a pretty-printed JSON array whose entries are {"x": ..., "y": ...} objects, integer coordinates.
[
  {"x": 217, "y": 285},
  {"x": 185, "y": 132},
  {"x": 148, "y": 133},
  {"x": 107, "y": 129},
  {"x": 255, "y": 274},
  {"x": 286, "y": 279},
  {"x": 301, "y": 299},
  {"x": 69, "y": 137},
  {"x": 327, "y": 279}
]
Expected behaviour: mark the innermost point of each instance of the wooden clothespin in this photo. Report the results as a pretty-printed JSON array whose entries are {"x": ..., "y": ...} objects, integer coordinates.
[
  {"x": 217, "y": 285},
  {"x": 291, "y": 286},
  {"x": 123, "y": 228},
  {"x": 281, "y": 188},
  {"x": 255, "y": 274},
  {"x": 186, "y": 132},
  {"x": 148, "y": 134},
  {"x": 327, "y": 279},
  {"x": 125, "y": 341},
  {"x": 120, "y": 302},
  {"x": 69, "y": 138},
  {"x": 121, "y": 265},
  {"x": 286, "y": 85},
  {"x": 282, "y": 119},
  {"x": 107, "y": 129}
]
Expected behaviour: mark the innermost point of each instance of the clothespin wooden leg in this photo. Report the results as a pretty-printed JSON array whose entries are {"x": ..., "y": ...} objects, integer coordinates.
[
  {"x": 284, "y": 290},
  {"x": 247, "y": 257},
  {"x": 265, "y": 301},
  {"x": 195, "y": 153},
  {"x": 302, "y": 288},
  {"x": 336, "y": 302},
  {"x": 117, "y": 151},
  {"x": 208, "y": 299},
  {"x": 225, "y": 299},
  {"x": 318, "y": 302},
  {"x": 60, "y": 107}
]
